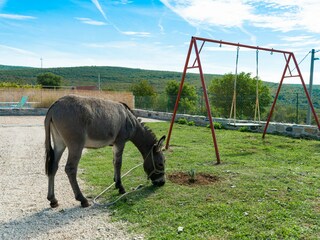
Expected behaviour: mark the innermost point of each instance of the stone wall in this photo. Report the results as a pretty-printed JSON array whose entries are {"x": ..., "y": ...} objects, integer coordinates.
[
  {"x": 292, "y": 130},
  {"x": 287, "y": 129}
]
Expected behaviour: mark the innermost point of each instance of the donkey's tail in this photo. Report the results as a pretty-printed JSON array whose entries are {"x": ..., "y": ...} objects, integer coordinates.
[{"x": 48, "y": 146}]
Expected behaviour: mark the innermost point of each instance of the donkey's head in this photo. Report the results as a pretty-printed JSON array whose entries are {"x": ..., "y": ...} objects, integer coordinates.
[{"x": 154, "y": 164}]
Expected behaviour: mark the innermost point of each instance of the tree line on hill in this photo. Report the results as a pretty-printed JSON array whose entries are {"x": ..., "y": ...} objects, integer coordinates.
[{"x": 157, "y": 90}]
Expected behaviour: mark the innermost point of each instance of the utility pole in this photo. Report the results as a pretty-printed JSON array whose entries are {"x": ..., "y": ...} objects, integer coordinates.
[
  {"x": 311, "y": 83},
  {"x": 99, "y": 82},
  {"x": 297, "y": 109}
]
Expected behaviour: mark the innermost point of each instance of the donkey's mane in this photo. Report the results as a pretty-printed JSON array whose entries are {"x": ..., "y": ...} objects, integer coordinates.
[
  {"x": 128, "y": 108},
  {"x": 150, "y": 135}
]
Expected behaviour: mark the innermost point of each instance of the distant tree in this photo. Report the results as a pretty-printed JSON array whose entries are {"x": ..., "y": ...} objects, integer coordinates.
[
  {"x": 188, "y": 100},
  {"x": 221, "y": 94},
  {"x": 49, "y": 80},
  {"x": 144, "y": 94},
  {"x": 143, "y": 88}
]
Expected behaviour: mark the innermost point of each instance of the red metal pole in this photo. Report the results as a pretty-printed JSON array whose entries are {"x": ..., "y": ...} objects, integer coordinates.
[
  {"x": 207, "y": 103},
  {"x": 179, "y": 93},
  {"x": 306, "y": 91},
  {"x": 277, "y": 94}
]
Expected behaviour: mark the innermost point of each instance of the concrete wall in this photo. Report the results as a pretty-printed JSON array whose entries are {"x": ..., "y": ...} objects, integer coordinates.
[
  {"x": 23, "y": 112},
  {"x": 292, "y": 130}
]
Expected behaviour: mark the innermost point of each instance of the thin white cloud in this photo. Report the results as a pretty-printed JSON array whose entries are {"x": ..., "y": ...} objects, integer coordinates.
[
  {"x": 277, "y": 15},
  {"x": 128, "y": 33},
  {"x": 90, "y": 21},
  {"x": 119, "y": 45},
  {"x": 98, "y": 6},
  {"x": 16, "y": 50},
  {"x": 161, "y": 26},
  {"x": 123, "y": 2},
  {"x": 137, "y": 34},
  {"x": 16, "y": 16}
]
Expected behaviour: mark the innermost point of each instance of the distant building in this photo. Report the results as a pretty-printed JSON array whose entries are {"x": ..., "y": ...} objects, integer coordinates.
[{"x": 86, "y": 88}]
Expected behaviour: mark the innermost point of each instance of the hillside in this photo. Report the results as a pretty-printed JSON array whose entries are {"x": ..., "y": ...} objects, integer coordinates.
[
  {"x": 111, "y": 78},
  {"x": 6, "y": 67}
]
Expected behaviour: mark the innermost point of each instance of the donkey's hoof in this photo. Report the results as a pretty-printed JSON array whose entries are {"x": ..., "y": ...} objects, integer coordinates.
[
  {"x": 122, "y": 191},
  {"x": 85, "y": 203},
  {"x": 54, "y": 204}
]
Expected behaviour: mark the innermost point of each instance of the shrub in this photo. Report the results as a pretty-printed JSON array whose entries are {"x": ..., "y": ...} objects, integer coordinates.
[
  {"x": 182, "y": 121},
  {"x": 244, "y": 129},
  {"x": 191, "y": 123},
  {"x": 17, "y": 85},
  {"x": 216, "y": 125}
]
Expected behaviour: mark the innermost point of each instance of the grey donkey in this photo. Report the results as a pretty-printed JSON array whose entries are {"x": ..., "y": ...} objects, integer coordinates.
[{"x": 79, "y": 122}]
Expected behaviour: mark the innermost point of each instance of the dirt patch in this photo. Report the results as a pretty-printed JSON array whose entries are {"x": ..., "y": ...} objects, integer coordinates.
[{"x": 183, "y": 178}]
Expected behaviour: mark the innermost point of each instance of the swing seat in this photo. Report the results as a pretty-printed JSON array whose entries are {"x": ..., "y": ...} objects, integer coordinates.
[{"x": 245, "y": 124}]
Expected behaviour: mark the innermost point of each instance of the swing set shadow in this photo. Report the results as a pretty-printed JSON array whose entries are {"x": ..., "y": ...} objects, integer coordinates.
[{"x": 287, "y": 73}]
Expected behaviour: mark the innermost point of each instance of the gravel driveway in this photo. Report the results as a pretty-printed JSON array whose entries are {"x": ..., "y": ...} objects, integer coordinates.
[{"x": 24, "y": 209}]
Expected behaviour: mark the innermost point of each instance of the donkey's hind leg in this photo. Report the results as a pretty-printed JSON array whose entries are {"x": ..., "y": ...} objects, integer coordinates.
[
  {"x": 59, "y": 148},
  {"x": 71, "y": 170}
]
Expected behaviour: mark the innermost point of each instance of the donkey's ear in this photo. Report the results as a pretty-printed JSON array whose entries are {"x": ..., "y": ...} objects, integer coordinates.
[{"x": 159, "y": 144}]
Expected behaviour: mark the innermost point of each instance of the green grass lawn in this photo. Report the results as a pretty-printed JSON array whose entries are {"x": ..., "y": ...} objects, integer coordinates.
[{"x": 266, "y": 189}]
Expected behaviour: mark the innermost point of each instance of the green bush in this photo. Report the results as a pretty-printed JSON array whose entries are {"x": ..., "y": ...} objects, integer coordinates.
[
  {"x": 17, "y": 85},
  {"x": 244, "y": 129},
  {"x": 191, "y": 123},
  {"x": 216, "y": 125},
  {"x": 182, "y": 121}
]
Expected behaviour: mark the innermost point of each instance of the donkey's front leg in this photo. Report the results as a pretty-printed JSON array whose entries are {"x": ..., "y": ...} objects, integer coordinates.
[
  {"x": 53, "y": 158},
  {"x": 117, "y": 163}
]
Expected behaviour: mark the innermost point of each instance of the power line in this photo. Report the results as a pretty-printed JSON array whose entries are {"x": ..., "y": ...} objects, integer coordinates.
[{"x": 302, "y": 60}]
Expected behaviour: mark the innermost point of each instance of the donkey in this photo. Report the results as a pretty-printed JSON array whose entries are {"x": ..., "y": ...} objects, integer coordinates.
[{"x": 79, "y": 122}]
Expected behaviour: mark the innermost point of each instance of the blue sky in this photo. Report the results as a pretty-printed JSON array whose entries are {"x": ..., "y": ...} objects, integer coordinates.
[{"x": 156, "y": 34}]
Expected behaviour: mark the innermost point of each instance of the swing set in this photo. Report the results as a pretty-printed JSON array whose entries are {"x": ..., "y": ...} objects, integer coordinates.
[{"x": 287, "y": 73}]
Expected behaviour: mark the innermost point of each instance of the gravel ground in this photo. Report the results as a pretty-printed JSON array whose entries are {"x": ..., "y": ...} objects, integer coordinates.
[{"x": 24, "y": 210}]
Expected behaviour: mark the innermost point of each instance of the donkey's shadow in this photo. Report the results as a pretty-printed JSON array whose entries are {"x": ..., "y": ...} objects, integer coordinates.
[
  {"x": 38, "y": 223},
  {"x": 46, "y": 221}
]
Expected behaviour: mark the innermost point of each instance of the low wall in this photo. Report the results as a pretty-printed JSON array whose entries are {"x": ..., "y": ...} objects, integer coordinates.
[
  {"x": 292, "y": 130},
  {"x": 23, "y": 112}
]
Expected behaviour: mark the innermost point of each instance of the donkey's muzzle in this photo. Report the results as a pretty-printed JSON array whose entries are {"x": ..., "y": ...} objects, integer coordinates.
[{"x": 159, "y": 182}]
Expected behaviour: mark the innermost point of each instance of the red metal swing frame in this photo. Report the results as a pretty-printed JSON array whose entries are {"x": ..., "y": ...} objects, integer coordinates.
[{"x": 197, "y": 64}]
